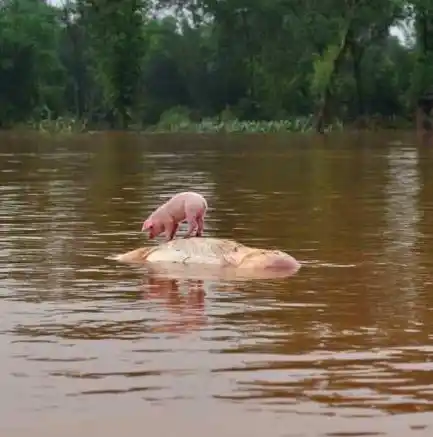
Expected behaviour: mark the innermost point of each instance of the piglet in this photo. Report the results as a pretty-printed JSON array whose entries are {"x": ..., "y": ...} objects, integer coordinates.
[{"x": 189, "y": 206}]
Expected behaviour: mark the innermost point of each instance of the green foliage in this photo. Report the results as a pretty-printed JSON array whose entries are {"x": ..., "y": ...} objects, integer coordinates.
[
  {"x": 116, "y": 43},
  {"x": 59, "y": 125},
  {"x": 174, "y": 119},
  {"x": 178, "y": 120},
  {"x": 30, "y": 69},
  {"x": 213, "y": 66},
  {"x": 323, "y": 69}
]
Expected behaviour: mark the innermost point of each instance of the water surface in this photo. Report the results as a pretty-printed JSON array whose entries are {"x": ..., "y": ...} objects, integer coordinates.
[{"x": 343, "y": 348}]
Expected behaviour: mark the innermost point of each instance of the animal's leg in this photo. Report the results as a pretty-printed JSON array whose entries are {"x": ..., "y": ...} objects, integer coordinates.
[
  {"x": 169, "y": 230},
  {"x": 200, "y": 225},
  {"x": 192, "y": 224},
  {"x": 173, "y": 232}
]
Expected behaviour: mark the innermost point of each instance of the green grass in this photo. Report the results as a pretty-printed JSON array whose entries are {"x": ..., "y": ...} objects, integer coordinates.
[
  {"x": 59, "y": 125},
  {"x": 178, "y": 120}
]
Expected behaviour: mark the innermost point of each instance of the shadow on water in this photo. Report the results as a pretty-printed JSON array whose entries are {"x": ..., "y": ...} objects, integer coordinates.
[{"x": 109, "y": 346}]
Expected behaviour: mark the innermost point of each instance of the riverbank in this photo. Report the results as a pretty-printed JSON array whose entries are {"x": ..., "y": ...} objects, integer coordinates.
[{"x": 176, "y": 123}]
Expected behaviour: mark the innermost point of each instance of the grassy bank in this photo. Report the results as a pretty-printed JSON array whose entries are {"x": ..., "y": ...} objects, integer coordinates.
[
  {"x": 60, "y": 125},
  {"x": 178, "y": 120},
  {"x": 214, "y": 125}
]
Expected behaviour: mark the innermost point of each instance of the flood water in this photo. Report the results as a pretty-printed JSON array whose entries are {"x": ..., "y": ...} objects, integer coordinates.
[{"x": 342, "y": 348}]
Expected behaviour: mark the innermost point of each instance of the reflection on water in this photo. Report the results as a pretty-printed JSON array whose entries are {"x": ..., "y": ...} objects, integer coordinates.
[
  {"x": 109, "y": 347},
  {"x": 401, "y": 236}
]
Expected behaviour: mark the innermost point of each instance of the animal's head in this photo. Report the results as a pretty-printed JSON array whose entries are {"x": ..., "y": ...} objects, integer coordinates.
[{"x": 151, "y": 227}]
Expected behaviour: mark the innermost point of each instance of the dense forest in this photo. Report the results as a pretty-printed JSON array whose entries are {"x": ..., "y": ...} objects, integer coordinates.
[{"x": 138, "y": 63}]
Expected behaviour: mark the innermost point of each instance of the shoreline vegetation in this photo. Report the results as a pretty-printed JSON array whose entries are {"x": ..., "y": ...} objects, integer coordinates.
[
  {"x": 178, "y": 120},
  {"x": 214, "y": 67}
]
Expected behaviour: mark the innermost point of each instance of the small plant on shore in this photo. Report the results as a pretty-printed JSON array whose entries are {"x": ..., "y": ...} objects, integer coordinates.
[
  {"x": 60, "y": 125},
  {"x": 47, "y": 124},
  {"x": 176, "y": 119}
]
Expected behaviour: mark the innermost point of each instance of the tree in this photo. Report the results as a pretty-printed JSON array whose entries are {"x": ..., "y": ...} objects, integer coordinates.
[
  {"x": 31, "y": 74},
  {"x": 128, "y": 62},
  {"x": 116, "y": 40}
]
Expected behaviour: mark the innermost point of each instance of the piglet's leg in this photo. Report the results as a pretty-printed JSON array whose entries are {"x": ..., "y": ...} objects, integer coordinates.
[
  {"x": 173, "y": 231},
  {"x": 169, "y": 230},
  {"x": 192, "y": 224},
  {"x": 200, "y": 225}
]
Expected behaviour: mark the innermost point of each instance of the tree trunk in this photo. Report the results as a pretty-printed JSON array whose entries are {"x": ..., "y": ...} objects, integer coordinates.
[
  {"x": 323, "y": 110},
  {"x": 356, "y": 53}
]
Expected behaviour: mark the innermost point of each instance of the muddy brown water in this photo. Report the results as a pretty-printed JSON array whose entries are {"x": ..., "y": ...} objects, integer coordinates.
[{"x": 343, "y": 348}]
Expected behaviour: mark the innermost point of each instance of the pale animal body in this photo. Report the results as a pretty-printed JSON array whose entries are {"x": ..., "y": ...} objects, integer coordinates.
[
  {"x": 188, "y": 205},
  {"x": 208, "y": 257}
]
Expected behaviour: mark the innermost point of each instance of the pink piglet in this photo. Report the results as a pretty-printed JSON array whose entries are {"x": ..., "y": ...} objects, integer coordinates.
[{"x": 189, "y": 206}]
